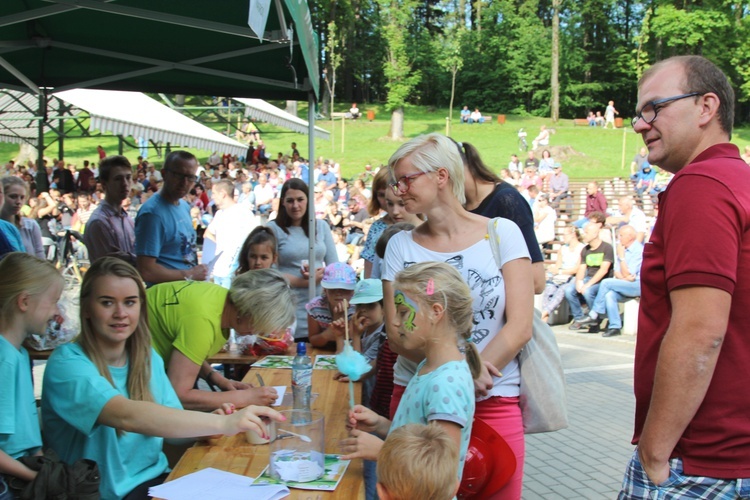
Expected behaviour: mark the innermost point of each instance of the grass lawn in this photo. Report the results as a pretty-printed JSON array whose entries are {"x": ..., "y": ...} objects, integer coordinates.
[{"x": 599, "y": 153}]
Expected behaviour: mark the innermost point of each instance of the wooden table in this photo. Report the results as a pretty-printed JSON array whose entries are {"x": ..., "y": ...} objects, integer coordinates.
[{"x": 235, "y": 455}]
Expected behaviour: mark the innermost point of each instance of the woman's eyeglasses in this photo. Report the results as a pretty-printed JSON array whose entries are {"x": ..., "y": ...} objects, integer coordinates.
[{"x": 403, "y": 184}]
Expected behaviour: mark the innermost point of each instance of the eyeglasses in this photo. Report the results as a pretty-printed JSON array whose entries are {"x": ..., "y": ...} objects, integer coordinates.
[
  {"x": 403, "y": 184},
  {"x": 649, "y": 110},
  {"x": 183, "y": 177}
]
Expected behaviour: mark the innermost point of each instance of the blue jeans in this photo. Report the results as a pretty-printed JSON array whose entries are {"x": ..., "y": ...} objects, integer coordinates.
[
  {"x": 574, "y": 301},
  {"x": 636, "y": 485},
  {"x": 611, "y": 292}
]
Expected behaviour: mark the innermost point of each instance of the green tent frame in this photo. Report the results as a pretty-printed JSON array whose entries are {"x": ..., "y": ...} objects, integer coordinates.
[{"x": 189, "y": 47}]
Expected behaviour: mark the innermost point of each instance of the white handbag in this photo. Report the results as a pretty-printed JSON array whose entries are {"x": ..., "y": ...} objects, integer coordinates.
[{"x": 543, "y": 399}]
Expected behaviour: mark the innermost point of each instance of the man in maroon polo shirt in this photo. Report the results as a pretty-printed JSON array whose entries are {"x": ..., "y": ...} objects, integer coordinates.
[{"x": 692, "y": 363}]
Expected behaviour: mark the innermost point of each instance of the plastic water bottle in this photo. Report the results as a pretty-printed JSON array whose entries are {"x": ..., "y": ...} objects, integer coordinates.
[{"x": 302, "y": 378}]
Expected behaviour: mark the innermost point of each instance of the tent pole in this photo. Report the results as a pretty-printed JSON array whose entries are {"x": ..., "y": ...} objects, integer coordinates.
[
  {"x": 119, "y": 145},
  {"x": 61, "y": 132},
  {"x": 40, "y": 136},
  {"x": 311, "y": 190}
]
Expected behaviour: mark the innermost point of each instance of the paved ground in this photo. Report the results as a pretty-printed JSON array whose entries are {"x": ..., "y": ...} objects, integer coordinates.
[{"x": 588, "y": 459}]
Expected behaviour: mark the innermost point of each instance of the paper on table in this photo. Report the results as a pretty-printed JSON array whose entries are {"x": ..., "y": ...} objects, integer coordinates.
[
  {"x": 280, "y": 390},
  {"x": 214, "y": 483}
]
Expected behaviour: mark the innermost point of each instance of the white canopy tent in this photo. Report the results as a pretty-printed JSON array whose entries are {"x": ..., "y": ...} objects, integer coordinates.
[
  {"x": 258, "y": 109},
  {"x": 128, "y": 114}
]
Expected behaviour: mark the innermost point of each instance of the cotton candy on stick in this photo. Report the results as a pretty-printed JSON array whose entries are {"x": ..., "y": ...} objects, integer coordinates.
[{"x": 350, "y": 362}]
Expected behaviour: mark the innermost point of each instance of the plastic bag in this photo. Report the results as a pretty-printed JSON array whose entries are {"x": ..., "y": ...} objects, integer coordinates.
[
  {"x": 64, "y": 327},
  {"x": 256, "y": 345}
]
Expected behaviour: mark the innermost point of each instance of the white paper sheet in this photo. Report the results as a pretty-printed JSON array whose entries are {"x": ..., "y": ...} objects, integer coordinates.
[
  {"x": 280, "y": 390},
  {"x": 214, "y": 483}
]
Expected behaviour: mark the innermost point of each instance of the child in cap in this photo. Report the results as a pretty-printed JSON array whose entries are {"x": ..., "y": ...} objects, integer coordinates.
[
  {"x": 338, "y": 284},
  {"x": 367, "y": 332}
]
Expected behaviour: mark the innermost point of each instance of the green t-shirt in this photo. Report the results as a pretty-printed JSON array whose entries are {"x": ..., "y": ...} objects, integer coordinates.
[{"x": 186, "y": 315}]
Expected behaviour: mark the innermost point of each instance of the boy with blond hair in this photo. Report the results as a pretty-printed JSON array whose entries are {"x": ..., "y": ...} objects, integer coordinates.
[{"x": 418, "y": 462}]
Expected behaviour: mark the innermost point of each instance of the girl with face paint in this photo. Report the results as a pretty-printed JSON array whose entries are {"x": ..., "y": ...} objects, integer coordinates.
[{"x": 433, "y": 316}]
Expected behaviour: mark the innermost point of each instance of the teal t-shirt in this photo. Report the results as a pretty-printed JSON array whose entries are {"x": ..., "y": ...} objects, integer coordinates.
[
  {"x": 19, "y": 420},
  {"x": 186, "y": 315},
  {"x": 73, "y": 396},
  {"x": 446, "y": 393}
]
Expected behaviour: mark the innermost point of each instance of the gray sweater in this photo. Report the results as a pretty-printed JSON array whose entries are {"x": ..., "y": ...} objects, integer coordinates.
[{"x": 292, "y": 250}]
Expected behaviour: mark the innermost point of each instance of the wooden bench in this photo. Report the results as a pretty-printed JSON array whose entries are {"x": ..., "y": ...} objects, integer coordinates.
[{"x": 580, "y": 121}]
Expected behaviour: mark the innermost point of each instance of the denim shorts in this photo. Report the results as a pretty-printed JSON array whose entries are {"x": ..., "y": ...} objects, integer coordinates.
[{"x": 637, "y": 485}]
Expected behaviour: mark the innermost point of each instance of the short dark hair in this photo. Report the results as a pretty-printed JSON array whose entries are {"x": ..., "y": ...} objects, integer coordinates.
[
  {"x": 703, "y": 76},
  {"x": 110, "y": 162},
  {"x": 177, "y": 157}
]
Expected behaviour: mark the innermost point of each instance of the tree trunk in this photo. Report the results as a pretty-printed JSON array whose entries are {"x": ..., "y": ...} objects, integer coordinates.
[
  {"x": 454, "y": 72},
  {"x": 554, "y": 78},
  {"x": 291, "y": 107},
  {"x": 397, "y": 124}
]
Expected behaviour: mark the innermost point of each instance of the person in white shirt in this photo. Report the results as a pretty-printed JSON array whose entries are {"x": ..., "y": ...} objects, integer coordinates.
[
  {"x": 263, "y": 195},
  {"x": 229, "y": 228},
  {"x": 544, "y": 219},
  {"x": 630, "y": 215}
]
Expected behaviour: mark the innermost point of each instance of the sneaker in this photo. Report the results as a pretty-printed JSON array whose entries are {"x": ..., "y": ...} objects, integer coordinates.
[
  {"x": 612, "y": 332},
  {"x": 589, "y": 321},
  {"x": 576, "y": 324}
]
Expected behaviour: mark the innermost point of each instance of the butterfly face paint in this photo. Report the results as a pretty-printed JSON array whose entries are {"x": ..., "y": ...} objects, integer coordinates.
[{"x": 412, "y": 308}]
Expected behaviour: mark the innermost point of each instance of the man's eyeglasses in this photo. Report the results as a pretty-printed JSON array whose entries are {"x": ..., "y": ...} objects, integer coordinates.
[
  {"x": 402, "y": 185},
  {"x": 649, "y": 110},
  {"x": 184, "y": 177}
]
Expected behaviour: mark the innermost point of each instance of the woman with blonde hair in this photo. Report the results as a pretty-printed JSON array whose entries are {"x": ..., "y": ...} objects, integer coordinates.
[
  {"x": 190, "y": 321},
  {"x": 107, "y": 398},
  {"x": 428, "y": 175},
  {"x": 29, "y": 292},
  {"x": 16, "y": 194}
]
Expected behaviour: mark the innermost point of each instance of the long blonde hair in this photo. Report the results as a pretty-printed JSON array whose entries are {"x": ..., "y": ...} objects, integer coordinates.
[
  {"x": 21, "y": 273},
  {"x": 138, "y": 346},
  {"x": 439, "y": 283}
]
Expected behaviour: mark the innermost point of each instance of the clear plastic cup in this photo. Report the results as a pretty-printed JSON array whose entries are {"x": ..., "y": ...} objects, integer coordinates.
[{"x": 298, "y": 452}]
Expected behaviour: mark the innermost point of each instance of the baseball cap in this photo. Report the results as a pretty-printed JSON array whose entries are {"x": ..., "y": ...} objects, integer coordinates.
[
  {"x": 339, "y": 276},
  {"x": 368, "y": 291}
]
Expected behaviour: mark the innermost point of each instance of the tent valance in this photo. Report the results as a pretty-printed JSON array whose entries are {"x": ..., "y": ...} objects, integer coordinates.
[
  {"x": 259, "y": 109},
  {"x": 130, "y": 114}
]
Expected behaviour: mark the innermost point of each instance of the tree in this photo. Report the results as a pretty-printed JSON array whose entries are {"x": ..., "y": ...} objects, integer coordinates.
[
  {"x": 555, "y": 70},
  {"x": 401, "y": 78}
]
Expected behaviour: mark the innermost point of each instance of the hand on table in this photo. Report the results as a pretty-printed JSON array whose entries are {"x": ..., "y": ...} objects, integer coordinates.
[
  {"x": 261, "y": 396},
  {"x": 249, "y": 419}
]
